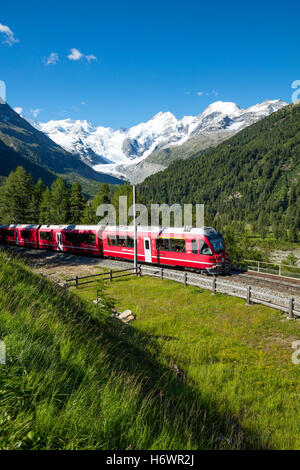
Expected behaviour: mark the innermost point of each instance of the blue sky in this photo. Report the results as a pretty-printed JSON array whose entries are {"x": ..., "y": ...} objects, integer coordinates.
[{"x": 142, "y": 57}]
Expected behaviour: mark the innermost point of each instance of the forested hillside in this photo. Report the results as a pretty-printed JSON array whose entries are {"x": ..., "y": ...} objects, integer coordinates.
[{"x": 253, "y": 177}]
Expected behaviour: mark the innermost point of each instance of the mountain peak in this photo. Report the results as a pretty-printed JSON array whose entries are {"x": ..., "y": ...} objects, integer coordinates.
[{"x": 224, "y": 107}]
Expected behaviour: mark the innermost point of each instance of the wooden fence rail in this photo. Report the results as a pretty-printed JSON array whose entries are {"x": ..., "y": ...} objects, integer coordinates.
[{"x": 110, "y": 275}]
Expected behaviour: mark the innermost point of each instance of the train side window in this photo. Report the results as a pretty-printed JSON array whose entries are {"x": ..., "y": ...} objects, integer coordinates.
[
  {"x": 47, "y": 236},
  {"x": 194, "y": 247},
  {"x": 130, "y": 242},
  {"x": 87, "y": 238},
  {"x": 121, "y": 241},
  {"x": 204, "y": 248},
  {"x": 112, "y": 240},
  {"x": 24, "y": 234},
  {"x": 8, "y": 233},
  {"x": 162, "y": 244},
  {"x": 147, "y": 245},
  {"x": 177, "y": 245}
]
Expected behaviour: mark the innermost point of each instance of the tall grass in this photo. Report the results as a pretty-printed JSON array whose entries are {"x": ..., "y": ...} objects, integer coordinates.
[
  {"x": 77, "y": 379},
  {"x": 237, "y": 358}
]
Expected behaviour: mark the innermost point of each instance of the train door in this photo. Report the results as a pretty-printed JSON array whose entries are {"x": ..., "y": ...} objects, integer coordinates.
[
  {"x": 147, "y": 249},
  {"x": 17, "y": 237},
  {"x": 59, "y": 242}
]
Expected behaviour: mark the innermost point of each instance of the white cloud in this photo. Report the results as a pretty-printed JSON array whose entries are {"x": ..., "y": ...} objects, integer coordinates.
[
  {"x": 75, "y": 54},
  {"x": 90, "y": 58},
  {"x": 9, "y": 37},
  {"x": 82, "y": 102},
  {"x": 35, "y": 112},
  {"x": 52, "y": 59},
  {"x": 18, "y": 110},
  {"x": 199, "y": 93}
]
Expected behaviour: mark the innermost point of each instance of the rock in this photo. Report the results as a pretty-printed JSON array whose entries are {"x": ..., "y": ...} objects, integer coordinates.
[{"x": 125, "y": 314}]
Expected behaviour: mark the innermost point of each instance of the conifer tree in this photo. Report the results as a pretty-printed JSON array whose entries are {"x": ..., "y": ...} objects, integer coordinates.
[
  {"x": 77, "y": 204},
  {"x": 102, "y": 197},
  {"x": 45, "y": 213},
  {"x": 60, "y": 202},
  {"x": 16, "y": 197},
  {"x": 37, "y": 197}
]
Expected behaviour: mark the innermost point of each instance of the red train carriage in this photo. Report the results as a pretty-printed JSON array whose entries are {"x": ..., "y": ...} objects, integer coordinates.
[
  {"x": 23, "y": 235},
  {"x": 79, "y": 239}
]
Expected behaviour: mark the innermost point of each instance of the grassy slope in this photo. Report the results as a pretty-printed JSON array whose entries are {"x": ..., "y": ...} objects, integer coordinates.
[
  {"x": 75, "y": 378},
  {"x": 238, "y": 357}
]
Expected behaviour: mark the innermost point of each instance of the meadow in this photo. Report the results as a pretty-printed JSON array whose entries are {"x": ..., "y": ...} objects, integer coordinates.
[{"x": 75, "y": 378}]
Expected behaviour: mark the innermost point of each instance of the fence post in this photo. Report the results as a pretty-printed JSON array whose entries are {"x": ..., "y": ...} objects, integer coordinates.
[
  {"x": 291, "y": 308},
  {"x": 248, "y": 295},
  {"x": 258, "y": 266},
  {"x": 214, "y": 286},
  {"x": 184, "y": 279},
  {"x": 110, "y": 275},
  {"x": 279, "y": 272},
  {"x": 140, "y": 271},
  {"x": 161, "y": 273},
  {"x": 76, "y": 282}
]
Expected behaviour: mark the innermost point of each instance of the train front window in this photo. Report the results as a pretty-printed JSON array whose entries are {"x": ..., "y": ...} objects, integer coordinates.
[
  {"x": 217, "y": 242},
  {"x": 204, "y": 248}
]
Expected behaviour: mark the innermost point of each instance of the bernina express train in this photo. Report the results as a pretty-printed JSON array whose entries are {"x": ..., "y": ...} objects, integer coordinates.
[{"x": 201, "y": 249}]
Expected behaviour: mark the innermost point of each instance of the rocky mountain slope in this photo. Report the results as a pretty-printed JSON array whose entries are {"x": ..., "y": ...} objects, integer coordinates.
[
  {"x": 151, "y": 146},
  {"x": 31, "y": 148}
]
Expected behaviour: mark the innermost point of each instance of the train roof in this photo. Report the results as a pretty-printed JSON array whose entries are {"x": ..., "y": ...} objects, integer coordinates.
[
  {"x": 20, "y": 226},
  {"x": 122, "y": 228}
]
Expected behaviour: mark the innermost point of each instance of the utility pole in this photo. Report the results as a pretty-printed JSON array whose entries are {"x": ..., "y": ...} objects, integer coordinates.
[{"x": 134, "y": 227}]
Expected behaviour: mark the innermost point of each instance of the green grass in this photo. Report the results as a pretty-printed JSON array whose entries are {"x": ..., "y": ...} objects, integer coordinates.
[
  {"x": 77, "y": 379},
  {"x": 236, "y": 357}
]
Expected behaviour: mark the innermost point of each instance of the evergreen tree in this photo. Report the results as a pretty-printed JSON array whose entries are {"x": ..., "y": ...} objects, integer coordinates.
[
  {"x": 89, "y": 213},
  {"x": 45, "y": 213},
  {"x": 77, "y": 204},
  {"x": 37, "y": 197},
  {"x": 16, "y": 198},
  {"x": 60, "y": 202}
]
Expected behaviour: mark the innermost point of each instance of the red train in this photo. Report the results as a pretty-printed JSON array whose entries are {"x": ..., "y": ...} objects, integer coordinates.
[{"x": 201, "y": 249}]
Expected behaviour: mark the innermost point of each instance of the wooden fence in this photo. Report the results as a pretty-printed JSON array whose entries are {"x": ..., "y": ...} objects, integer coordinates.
[
  {"x": 216, "y": 285},
  {"x": 110, "y": 275}
]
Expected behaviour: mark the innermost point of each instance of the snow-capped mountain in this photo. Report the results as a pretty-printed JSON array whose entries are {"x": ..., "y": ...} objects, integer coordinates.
[{"x": 121, "y": 151}]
